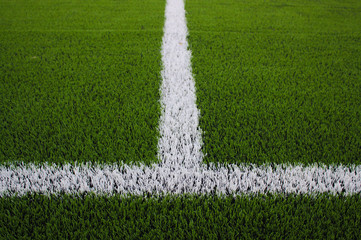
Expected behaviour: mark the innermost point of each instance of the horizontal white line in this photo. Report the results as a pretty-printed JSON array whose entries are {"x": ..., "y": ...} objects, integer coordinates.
[{"x": 177, "y": 179}]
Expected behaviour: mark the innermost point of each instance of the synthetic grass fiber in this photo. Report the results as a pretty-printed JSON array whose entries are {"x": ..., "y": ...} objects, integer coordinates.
[
  {"x": 79, "y": 81},
  {"x": 180, "y": 217},
  {"x": 278, "y": 81}
]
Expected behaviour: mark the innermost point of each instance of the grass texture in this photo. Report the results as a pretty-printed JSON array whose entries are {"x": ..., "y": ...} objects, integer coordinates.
[
  {"x": 278, "y": 81},
  {"x": 182, "y": 217},
  {"x": 79, "y": 81}
]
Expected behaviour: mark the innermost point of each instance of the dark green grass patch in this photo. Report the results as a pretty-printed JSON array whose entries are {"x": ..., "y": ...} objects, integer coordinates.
[
  {"x": 85, "y": 96},
  {"x": 182, "y": 217},
  {"x": 278, "y": 81}
]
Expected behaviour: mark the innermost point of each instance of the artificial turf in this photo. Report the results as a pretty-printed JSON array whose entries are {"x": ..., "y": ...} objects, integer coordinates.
[
  {"x": 180, "y": 217},
  {"x": 278, "y": 81},
  {"x": 79, "y": 81}
]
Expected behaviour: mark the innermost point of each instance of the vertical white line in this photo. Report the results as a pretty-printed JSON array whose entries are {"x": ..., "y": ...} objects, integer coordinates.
[{"x": 180, "y": 141}]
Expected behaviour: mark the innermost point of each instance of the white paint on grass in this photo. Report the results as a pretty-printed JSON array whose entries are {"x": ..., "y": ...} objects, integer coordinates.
[
  {"x": 181, "y": 170},
  {"x": 180, "y": 141},
  {"x": 233, "y": 180}
]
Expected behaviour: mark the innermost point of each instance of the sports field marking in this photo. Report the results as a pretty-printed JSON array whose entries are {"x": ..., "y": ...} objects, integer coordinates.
[
  {"x": 181, "y": 170},
  {"x": 176, "y": 179},
  {"x": 180, "y": 141}
]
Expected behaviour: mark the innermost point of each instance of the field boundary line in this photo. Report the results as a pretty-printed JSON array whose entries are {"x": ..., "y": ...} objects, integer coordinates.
[
  {"x": 230, "y": 180},
  {"x": 180, "y": 137}
]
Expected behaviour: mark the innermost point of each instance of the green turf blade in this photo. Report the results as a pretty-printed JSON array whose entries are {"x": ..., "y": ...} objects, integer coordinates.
[
  {"x": 278, "y": 81},
  {"x": 79, "y": 81},
  {"x": 181, "y": 217}
]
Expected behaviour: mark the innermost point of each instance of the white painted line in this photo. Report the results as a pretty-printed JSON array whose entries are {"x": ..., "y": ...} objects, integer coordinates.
[
  {"x": 180, "y": 142},
  {"x": 234, "y": 180}
]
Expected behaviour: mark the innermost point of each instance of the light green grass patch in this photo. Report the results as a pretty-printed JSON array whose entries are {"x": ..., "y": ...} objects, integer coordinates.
[
  {"x": 79, "y": 81},
  {"x": 278, "y": 81},
  {"x": 77, "y": 15}
]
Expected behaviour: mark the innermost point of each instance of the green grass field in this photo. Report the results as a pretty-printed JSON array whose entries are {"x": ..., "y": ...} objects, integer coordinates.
[
  {"x": 80, "y": 81},
  {"x": 182, "y": 217},
  {"x": 277, "y": 82}
]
